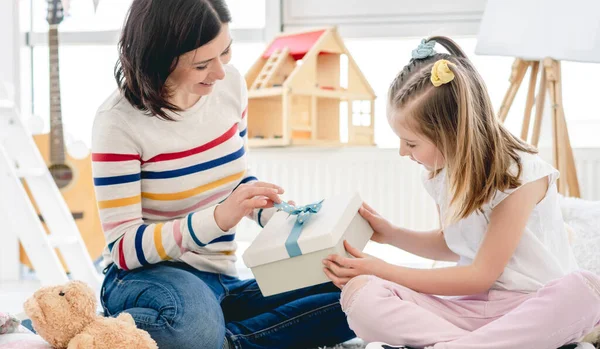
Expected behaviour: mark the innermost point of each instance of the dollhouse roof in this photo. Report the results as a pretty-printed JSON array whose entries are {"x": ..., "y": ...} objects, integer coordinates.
[
  {"x": 306, "y": 46},
  {"x": 298, "y": 44}
]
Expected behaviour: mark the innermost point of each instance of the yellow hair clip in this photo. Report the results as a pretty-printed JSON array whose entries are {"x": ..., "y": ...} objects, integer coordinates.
[{"x": 440, "y": 73}]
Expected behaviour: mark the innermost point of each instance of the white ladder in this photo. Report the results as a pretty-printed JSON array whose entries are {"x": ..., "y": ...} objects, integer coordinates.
[{"x": 21, "y": 159}]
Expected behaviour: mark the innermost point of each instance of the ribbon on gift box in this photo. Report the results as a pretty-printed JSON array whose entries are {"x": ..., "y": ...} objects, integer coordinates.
[{"x": 304, "y": 213}]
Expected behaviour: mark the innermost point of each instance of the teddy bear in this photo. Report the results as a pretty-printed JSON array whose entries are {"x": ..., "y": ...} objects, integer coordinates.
[{"x": 65, "y": 316}]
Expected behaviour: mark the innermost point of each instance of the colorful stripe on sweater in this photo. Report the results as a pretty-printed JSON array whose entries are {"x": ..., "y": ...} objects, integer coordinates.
[{"x": 158, "y": 208}]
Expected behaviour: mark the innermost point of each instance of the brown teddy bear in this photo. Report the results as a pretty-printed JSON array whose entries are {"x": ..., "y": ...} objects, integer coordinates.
[{"x": 65, "y": 316}]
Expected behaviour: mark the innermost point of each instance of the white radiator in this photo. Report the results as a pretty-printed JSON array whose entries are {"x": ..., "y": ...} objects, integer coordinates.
[
  {"x": 587, "y": 162},
  {"x": 588, "y": 172},
  {"x": 389, "y": 183}
]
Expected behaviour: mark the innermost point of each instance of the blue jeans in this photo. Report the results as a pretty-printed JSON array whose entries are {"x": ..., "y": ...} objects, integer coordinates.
[{"x": 184, "y": 308}]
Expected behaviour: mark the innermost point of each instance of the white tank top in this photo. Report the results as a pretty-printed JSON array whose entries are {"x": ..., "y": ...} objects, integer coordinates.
[{"x": 543, "y": 253}]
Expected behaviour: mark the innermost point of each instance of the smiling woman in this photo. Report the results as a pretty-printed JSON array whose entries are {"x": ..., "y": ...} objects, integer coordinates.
[
  {"x": 161, "y": 69},
  {"x": 195, "y": 74},
  {"x": 172, "y": 182}
]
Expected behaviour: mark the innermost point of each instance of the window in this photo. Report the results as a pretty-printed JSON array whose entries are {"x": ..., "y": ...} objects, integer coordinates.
[
  {"x": 344, "y": 71},
  {"x": 85, "y": 84},
  {"x": 80, "y": 15},
  {"x": 247, "y": 14},
  {"x": 361, "y": 113},
  {"x": 110, "y": 14}
]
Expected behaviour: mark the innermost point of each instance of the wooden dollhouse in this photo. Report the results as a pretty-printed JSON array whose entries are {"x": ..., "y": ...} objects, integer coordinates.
[{"x": 302, "y": 90}]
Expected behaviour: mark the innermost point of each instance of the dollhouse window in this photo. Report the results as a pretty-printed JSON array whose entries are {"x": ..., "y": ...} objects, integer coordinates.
[
  {"x": 344, "y": 71},
  {"x": 344, "y": 122},
  {"x": 361, "y": 113}
]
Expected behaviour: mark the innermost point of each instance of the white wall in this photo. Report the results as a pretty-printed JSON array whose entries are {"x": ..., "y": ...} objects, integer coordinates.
[
  {"x": 386, "y": 18},
  {"x": 9, "y": 48}
]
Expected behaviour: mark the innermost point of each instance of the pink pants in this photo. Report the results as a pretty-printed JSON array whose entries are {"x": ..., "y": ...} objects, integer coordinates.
[{"x": 559, "y": 313}]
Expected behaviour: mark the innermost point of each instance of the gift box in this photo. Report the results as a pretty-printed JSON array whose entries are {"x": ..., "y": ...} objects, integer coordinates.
[{"x": 288, "y": 253}]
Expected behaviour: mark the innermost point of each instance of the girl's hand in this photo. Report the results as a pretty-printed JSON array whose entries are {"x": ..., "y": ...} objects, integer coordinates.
[
  {"x": 341, "y": 269},
  {"x": 244, "y": 199},
  {"x": 383, "y": 229}
]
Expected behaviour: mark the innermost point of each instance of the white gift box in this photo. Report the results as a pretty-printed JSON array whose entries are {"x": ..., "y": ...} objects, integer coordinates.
[{"x": 281, "y": 263}]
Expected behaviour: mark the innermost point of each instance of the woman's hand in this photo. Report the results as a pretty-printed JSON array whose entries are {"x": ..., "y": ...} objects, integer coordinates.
[
  {"x": 341, "y": 269},
  {"x": 244, "y": 199},
  {"x": 383, "y": 229}
]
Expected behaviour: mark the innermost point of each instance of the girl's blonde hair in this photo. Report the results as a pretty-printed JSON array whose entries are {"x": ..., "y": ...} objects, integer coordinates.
[{"x": 457, "y": 117}]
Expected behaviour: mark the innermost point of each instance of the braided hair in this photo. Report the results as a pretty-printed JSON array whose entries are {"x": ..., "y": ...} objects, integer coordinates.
[{"x": 457, "y": 117}]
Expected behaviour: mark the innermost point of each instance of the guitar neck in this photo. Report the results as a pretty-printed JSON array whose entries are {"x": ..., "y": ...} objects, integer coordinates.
[{"x": 57, "y": 146}]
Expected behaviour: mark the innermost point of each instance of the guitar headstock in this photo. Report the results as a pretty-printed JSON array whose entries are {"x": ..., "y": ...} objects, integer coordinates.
[{"x": 55, "y": 12}]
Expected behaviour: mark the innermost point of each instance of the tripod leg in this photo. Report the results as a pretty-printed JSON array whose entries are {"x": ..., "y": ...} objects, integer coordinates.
[
  {"x": 539, "y": 109},
  {"x": 519, "y": 68},
  {"x": 530, "y": 99},
  {"x": 572, "y": 180},
  {"x": 557, "y": 137}
]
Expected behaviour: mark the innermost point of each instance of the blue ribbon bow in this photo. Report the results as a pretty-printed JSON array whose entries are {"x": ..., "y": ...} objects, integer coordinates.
[{"x": 304, "y": 213}]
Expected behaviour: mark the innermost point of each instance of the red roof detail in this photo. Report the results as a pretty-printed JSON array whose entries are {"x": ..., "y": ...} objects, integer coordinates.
[{"x": 298, "y": 44}]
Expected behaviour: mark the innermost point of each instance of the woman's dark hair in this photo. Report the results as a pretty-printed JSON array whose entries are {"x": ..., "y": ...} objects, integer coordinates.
[{"x": 155, "y": 34}]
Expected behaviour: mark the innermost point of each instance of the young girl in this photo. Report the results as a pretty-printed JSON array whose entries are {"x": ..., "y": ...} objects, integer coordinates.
[
  {"x": 498, "y": 203},
  {"x": 171, "y": 177}
]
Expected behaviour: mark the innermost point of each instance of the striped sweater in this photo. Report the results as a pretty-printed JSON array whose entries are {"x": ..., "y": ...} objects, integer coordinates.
[{"x": 158, "y": 182}]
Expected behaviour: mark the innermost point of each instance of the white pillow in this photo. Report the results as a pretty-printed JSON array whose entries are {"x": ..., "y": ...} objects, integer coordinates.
[{"x": 584, "y": 218}]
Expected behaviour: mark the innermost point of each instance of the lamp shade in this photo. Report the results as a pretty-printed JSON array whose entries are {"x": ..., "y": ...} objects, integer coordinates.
[{"x": 536, "y": 29}]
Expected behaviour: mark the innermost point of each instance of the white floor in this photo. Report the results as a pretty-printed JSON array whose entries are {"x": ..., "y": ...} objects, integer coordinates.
[{"x": 14, "y": 294}]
